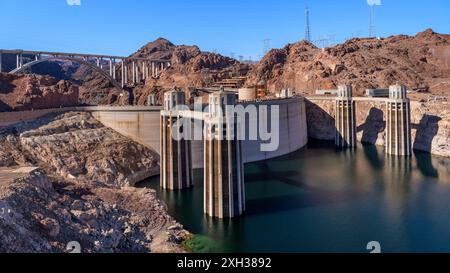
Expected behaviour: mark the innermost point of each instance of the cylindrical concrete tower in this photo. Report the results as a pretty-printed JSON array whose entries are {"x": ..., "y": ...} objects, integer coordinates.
[
  {"x": 345, "y": 118},
  {"x": 398, "y": 122},
  {"x": 176, "y": 155},
  {"x": 224, "y": 193},
  {"x": 247, "y": 94}
]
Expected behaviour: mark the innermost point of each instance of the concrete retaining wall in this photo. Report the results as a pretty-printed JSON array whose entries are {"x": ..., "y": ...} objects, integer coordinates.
[
  {"x": 8, "y": 118},
  {"x": 142, "y": 127}
]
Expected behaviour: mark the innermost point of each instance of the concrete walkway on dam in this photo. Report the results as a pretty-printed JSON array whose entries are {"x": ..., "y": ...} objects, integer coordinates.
[{"x": 142, "y": 124}]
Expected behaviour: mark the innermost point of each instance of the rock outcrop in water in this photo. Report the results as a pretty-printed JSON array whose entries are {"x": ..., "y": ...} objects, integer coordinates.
[{"x": 81, "y": 191}]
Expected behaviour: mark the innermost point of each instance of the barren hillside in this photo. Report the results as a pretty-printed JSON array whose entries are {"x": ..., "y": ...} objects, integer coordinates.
[
  {"x": 419, "y": 62},
  {"x": 190, "y": 68}
]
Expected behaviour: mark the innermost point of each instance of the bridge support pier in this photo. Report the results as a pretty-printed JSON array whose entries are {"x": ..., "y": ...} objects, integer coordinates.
[
  {"x": 345, "y": 118},
  {"x": 143, "y": 71},
  {"x": 398, "y": 122},
  {"x": 123, "y": 73},
  {"x": 134, "y": 72},
  {"x": 224, "y": 191},
  {"x": 176, "y": 155},
  {"x": 111, "y": 68},
  {"x": 153, "y": 70}
]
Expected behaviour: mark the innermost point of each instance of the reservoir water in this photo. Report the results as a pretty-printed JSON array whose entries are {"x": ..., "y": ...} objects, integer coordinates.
[{"x": 320, "y": 199}]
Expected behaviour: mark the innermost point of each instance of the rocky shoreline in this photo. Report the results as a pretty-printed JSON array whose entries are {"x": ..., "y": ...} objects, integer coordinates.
[{"x": 66, "y": 177}]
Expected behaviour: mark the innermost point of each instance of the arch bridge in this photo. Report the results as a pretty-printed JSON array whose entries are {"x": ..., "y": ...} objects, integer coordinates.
[{"x": 117, "y": 69}]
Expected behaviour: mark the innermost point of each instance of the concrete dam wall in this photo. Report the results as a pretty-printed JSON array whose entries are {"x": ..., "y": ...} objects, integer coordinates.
[
  {"x": 141, "y": 124},
  {"x": 292, "y": 127},
  {"x": 143, "y": 127}
]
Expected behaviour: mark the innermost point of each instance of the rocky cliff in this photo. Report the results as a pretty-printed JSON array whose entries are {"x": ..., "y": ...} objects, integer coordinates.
[
  {"x": 419, "y": 62},
  {"x": 26, "y": 92},
  {"x": 81, "y": 191}
]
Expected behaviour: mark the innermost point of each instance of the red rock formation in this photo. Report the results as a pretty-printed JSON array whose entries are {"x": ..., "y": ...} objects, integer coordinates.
[
  {"x": 158, "y": 49},
  {"x": 421, "y": 61},
  {"x": 190, "y": 67},
  {"x": 24, "y": 92},
  {"x": 95, "y": 89}
]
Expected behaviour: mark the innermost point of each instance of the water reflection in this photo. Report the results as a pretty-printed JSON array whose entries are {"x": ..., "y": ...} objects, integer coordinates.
[
  {"x": 321, "y": 199},
  {"x": 425, "y": 164}
]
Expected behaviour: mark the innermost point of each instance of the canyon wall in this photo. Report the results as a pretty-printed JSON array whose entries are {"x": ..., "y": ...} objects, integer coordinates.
[
  {"x": 66, "y": 177},
  {"x": 430, "y": 123}
]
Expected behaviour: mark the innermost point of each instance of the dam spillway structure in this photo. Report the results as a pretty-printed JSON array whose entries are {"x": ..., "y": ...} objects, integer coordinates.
[
  {"x": 345, "y": 118},
  {"x": 224, "y": 189},
  {"x": 176, "y": 155},
  {"x": 398, "y": 122}
]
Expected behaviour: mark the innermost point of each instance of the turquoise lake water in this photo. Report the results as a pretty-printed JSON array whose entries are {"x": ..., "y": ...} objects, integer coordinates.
[{"x": 320, "y": 199}]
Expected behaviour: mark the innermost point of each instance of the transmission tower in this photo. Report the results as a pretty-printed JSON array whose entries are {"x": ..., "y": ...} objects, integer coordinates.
[
  {"x": 266, "y": 46},
  {"x": 307, "y": 26},
  {"x": 372, "y": 32}
]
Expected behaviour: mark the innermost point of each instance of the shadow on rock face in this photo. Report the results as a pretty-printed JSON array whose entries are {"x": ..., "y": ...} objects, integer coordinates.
[
  {"x": 427, "y": 129},
  {"x": 373, "y": 125},
  {"x": 4, "y": 107},
  {"x": 321, "y": 125}
]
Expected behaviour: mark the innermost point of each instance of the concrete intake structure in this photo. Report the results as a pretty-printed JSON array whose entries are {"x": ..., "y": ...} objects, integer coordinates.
[
  {"x": 224, "y": 193},
  {"x": 176, "y": 155},
  {"x": 345, "y": 118},
  {"x": 398, "y": 122}
]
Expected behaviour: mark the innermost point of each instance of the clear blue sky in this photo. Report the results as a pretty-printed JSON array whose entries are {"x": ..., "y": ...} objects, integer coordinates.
[{"x": 120, "y": 27}]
